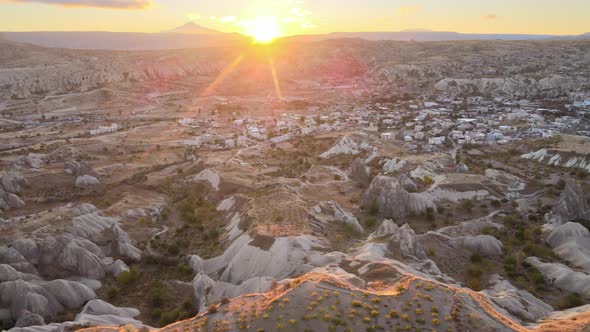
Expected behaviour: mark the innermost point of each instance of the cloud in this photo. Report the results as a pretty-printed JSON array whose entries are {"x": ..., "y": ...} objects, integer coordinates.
[
  {"x": 490, "y": 17},
  {"x": 408, "y": 9},
  {"x": 112, "y": 4}
]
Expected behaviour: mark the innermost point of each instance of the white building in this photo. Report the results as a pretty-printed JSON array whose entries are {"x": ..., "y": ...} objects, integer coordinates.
[
  {"x": 387, "y": 136},
  {"x": 436, "y": 140},
  {"x": 105, "y": 129}
]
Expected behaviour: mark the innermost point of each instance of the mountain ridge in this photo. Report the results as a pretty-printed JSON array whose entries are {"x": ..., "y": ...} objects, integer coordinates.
[{"x": 192, "y": 35}]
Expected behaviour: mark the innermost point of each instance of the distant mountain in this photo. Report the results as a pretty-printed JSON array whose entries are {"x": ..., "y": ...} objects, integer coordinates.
[
  {"x": 193, "y": 28},
  {"x": 190, "y": 35},
  {"x": 423, "y": 35}
]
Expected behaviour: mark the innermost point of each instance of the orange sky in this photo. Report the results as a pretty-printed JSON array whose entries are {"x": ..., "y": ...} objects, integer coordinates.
[{"x": 301, "y": 17}]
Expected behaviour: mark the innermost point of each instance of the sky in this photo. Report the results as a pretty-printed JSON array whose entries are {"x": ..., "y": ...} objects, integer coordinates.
[{"x": 300, "y": 16}]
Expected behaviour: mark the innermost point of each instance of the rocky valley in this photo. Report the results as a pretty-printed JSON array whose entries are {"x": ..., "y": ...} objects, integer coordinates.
[{"x": 333, "y": 185}]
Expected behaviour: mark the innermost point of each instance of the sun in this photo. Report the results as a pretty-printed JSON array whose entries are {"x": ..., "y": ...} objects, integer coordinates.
[{"x": 264, "y": 29}]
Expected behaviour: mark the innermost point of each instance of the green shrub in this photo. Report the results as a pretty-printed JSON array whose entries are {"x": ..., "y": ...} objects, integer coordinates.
[
  {"x": 127, "y": 278},
  {"x": 373, "y": 208},
  {"x": 168, "y": 317},
  {"x": 173, "y": 249},
  {"x": 467, "y": 204},
  {"x": 188, "y": 304},
  {"x": 113, "y": 293},
  {"x": 474, "y": 283},
  {"x": 570, "y": 301},
  {"x": 370, "y": 222},
  {"x": 212, "y": 309}
]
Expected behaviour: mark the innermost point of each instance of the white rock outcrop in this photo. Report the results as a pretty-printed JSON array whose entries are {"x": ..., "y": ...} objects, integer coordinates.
[
  {"x": 392, "y": 200},
  {"x": 86, "y": 181},
  {"x": 207, "y": 290},
  {"x": 210, "y": 176},
  {"x": 572, "y": 205},
  {"x": 44, "y": 298},
  {"x": 394, "y": 165},
  {"x": 517, "y": 302},
  {"x": 332, "y": 211},
  {"x": 387, "y": 227},
  {"x": 11, "y": 184},
  {"x": 34, "y": 161},
  {"x": 359, "y": 172},
  {"x": 348, "y": 145},
  {"x": 562, "y": 276},
  {"x": 486, "y": 245},
  {"x": 403, "y": 242},
  {"x": 555, "y": 158},
  {"x": 571, "y": 242}
]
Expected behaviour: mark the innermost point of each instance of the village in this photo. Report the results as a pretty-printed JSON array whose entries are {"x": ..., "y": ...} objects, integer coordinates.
[{"x": 419, "y": 125}]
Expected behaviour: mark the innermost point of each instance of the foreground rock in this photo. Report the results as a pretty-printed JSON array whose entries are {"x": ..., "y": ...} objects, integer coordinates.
[
  {"x": 81, "y": 249},
  {"x": 516, "y": 302},
  {"x": 563, "y": 277}
]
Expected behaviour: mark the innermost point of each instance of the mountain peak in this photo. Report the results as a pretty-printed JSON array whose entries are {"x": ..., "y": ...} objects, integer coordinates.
[{"x": 193, "y": 28}]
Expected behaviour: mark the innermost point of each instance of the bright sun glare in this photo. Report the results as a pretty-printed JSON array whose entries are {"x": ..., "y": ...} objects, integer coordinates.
[{"x": 264, "y": 29}]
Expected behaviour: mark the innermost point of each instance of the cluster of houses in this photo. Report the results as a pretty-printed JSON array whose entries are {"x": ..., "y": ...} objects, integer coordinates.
[
  {"x": 427, "y": 125},
  {"x": 435, "y": 125}
]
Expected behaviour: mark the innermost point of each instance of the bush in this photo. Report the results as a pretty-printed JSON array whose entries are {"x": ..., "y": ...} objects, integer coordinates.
[
  {"x": 188, "y": 304},
  {"x": 475, "y": 258},
  {"x": 373, "y": 208},
  {"x": 467, "y": 204},
  {"x": 428, "y": 180},
  {"x": 212, "y": 309},
  {"x": 168, "y": 317},
  {"x": 184, "y": 269},
  {"x": 127, "y": 278},
  {"x": 370, "y": 222},
  {"x": 173, "y": 249},
  {"x": 113, "y": 293},
  {"x": 213, "y": 234},
  {"x": 570, "y": 301},
  {"x": 155, "y": 295},
  {"x": 474, "y": 270},
  {"x": 474, "y": 283}
]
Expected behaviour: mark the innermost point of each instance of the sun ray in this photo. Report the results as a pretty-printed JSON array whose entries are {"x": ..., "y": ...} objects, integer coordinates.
[
  {"x": 222, "y": 76},
  {"x": 275, "y": 78}
]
